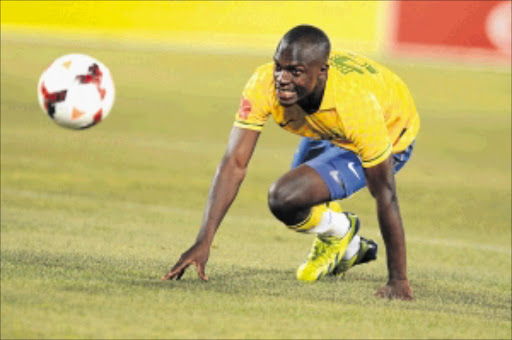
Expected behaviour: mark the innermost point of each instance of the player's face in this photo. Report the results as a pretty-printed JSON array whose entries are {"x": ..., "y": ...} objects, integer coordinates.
[{"x": 295, "y": 78}]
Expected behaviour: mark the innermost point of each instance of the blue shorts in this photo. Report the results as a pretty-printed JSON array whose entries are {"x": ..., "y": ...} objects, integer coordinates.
[{"x": 340, "y": 169}]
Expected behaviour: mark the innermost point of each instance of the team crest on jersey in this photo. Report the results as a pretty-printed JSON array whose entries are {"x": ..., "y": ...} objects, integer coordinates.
[{"x": 244, "y": 109}]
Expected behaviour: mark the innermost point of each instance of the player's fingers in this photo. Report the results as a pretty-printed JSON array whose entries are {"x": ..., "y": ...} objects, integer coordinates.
[
  {"x": 383, "y": 292},
  {"x": 200, "y": 272},
  {"x": 180, "y": 274},
  {"x": 169, "y": 276},
  {"x": 176, "y": 270},
  {"x": 388, "y": 293},
  {"x": 406, "y": 297}
]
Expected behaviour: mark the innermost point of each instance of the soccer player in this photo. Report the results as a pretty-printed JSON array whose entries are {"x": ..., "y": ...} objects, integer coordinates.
[{"x": 358, "y": 122}]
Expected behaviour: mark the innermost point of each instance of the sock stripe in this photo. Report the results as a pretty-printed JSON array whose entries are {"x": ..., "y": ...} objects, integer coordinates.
[{"x": 298, "y": 225}]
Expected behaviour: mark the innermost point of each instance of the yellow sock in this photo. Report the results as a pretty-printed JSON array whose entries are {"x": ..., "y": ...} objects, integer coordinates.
[
  {"x": 334, "y": 206},
  {"x": 315, "y": 216}
]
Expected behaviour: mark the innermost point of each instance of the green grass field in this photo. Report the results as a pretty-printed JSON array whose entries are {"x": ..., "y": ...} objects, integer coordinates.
[{"x": 91, "y": 220}]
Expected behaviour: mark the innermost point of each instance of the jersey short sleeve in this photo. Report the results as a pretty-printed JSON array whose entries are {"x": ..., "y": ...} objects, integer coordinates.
[
  {"x": 365, "y": 126},
  {"x": 254, "y": 107}
]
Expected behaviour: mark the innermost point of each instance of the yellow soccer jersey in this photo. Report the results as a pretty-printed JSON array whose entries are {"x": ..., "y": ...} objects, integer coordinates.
[{"x": 365, "y": 108}]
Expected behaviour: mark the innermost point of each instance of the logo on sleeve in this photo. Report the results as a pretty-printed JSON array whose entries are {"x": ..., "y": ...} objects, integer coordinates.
[{"x": 244, "y": 109}]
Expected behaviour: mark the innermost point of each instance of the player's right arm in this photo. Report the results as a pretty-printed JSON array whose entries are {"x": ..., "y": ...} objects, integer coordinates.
[
  {"x": 252, "y": 114},
  {"x": 227, "y": 181}
]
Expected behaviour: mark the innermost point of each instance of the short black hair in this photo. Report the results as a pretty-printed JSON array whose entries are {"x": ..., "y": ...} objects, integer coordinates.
[{"x": 308, "y": 37}]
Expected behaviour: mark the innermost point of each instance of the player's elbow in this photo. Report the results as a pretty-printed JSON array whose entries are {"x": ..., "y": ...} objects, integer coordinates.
[
  {"x": 385, "y": 197},
  {"x": 384, "y": 192},
  {"x": 234, "y": 167}
]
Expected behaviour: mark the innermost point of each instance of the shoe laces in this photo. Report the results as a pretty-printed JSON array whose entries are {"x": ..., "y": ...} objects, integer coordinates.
[
  {"x": 318, "y": 249},
  {"x": 321, "y": 251}
]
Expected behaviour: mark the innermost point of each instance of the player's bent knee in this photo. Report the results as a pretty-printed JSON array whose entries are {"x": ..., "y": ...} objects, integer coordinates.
[
  {"x": 283, "y": 205},
  {"x": 276, "y": 201}
]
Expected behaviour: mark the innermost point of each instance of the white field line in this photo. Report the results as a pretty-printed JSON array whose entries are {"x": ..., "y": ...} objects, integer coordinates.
[
  {"x": 130, "y": 205},
  {"x": 124, "y": 43}
]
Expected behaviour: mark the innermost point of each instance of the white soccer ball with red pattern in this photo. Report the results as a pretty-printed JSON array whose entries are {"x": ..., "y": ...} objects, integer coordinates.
[{"x": 76, "y": 91}]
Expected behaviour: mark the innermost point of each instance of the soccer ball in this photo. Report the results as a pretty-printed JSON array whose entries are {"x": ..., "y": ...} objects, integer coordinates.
[{"x": 76, "y": 91}]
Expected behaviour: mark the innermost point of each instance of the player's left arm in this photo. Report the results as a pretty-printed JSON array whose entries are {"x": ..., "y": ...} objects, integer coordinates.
[{"x": 381, "y": 183}]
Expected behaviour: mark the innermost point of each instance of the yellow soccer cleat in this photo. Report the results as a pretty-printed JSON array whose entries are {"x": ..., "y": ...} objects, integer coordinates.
[
  {"x": 327, "y": 253},
  {"x": 367, "y": 252}
]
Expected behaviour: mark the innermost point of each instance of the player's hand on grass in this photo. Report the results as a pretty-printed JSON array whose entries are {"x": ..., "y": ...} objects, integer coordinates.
[
  {"x": 198, "y": 255},
  {"x": 396, "y": 289}
]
